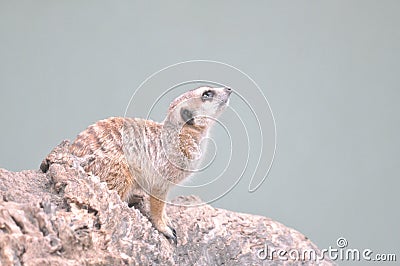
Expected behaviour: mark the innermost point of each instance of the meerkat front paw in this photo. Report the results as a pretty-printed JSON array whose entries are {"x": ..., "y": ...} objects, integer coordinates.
[
  {"x": 168, "y": 231},
  {"x": 169, "y": 224},
  {"x": 160, "y": 219},
  {"x": 173, "y": 238}
]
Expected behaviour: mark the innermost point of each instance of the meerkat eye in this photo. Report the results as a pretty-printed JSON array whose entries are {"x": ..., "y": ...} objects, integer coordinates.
[{"x": 207, "y": 95}]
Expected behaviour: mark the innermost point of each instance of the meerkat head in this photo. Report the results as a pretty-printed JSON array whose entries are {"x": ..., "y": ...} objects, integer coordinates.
[{"x": 198, "y": 108}]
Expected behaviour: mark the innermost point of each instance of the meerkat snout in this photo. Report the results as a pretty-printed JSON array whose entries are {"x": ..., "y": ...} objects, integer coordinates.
[{"x": 136, "y": 155}]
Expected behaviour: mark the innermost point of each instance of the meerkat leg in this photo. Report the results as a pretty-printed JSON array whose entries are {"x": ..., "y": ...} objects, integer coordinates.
[
  {"x": 167, "y": 220},
  {"x": 158, "y": 217}
]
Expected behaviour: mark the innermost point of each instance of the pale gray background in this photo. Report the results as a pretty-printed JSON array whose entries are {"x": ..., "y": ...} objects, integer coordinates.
[{"x": 330, "y": 70}]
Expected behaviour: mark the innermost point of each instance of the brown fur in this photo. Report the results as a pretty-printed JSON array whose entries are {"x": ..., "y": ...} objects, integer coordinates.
[{"x": 134, "y": 155}]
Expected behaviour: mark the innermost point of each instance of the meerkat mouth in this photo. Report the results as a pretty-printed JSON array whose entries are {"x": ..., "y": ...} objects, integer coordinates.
[{"x": 224, "y": 102}]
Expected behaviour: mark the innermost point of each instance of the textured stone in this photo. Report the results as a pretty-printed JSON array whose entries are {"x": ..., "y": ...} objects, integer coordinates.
[{"x": 60, "y": 215}]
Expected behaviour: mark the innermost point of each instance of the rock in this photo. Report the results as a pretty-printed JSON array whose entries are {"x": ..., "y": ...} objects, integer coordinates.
[{"x": 60, "y": 215}]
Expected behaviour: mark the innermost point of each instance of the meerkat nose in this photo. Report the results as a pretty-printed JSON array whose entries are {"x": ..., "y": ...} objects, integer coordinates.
[{"x": 228, "y": 89}]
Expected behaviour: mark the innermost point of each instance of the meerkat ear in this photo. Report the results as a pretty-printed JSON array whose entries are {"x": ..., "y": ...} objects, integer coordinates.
[{"x": 187, "y": 116}]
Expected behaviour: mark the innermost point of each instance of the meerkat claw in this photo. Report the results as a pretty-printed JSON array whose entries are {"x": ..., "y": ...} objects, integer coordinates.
[
  {"x": 173, "y": 232},
  {"x": 172, "y": 236}
]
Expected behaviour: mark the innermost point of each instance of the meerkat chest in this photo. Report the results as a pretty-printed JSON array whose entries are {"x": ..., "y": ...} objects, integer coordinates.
[{"x": 160, "y": 155}]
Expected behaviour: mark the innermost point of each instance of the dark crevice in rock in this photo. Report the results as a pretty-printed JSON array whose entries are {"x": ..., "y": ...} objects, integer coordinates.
[
  {"x": 19, "y": 224},
  {"x": 5, "y": 229},
  {"x": 44, "y": 166}
]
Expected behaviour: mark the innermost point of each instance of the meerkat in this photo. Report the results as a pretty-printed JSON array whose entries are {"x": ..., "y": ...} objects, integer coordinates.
[{"x": 135, "y": 155}]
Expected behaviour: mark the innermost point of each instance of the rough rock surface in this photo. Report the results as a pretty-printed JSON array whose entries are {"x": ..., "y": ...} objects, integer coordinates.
[{"x": 59, "y": 215}]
